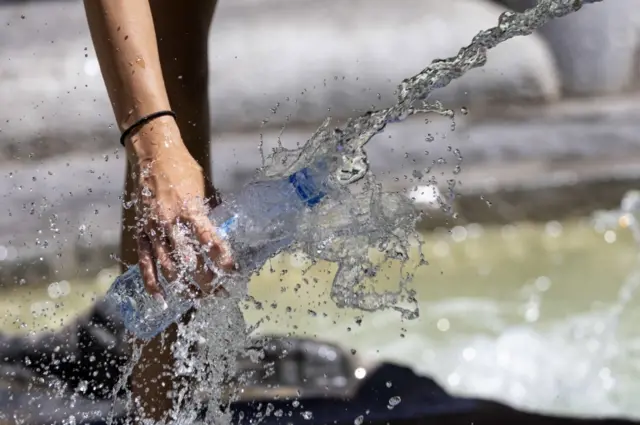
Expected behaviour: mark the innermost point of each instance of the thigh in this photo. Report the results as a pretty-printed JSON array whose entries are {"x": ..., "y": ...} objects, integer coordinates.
[{"x": 182, "y": 30}]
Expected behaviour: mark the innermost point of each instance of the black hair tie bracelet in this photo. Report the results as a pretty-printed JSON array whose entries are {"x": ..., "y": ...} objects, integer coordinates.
[{"x": 142, "y": 121}]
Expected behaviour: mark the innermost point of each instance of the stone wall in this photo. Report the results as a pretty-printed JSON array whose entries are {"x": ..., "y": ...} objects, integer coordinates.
[{"x": 597, "y": 51}]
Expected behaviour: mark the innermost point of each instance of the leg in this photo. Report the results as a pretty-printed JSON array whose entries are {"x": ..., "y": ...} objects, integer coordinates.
[{"x": 182, "y": 30}]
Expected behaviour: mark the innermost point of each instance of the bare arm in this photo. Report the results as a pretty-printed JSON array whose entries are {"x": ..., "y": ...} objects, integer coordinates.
[
  {"x": 125, "y": 42},
  {"x": 172, "y": 190}
]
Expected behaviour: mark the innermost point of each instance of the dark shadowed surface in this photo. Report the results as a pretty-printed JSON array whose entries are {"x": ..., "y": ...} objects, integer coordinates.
[{"x": 48, "y": 378}]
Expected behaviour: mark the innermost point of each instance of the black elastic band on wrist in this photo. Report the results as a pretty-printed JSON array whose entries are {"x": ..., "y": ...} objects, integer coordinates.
[{"x": 142, "y": 121}]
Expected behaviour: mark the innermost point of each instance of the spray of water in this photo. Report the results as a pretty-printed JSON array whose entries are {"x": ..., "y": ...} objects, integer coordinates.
[
  {"x": 369, "y": 216},
  {"x": 629, "y": 214},
  {"x": 359, "y": 216}
]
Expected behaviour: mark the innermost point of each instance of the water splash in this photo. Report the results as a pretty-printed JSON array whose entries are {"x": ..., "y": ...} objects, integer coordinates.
[
  {"x": 360, "y": 216},
  {"x": 369, "y": 216},
  {"x": 610, "y": 345},
  {"x": 627, "y": 216},
  {"x": 413, "y": 93}
]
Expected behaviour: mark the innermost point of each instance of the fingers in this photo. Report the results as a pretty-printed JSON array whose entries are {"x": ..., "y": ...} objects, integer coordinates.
[
  {"x": 205, "y": 277},
  {"x": 162, "y": 254},
  {"x": 186, "y": 262},
  {"x": 212, "y": 249},
  {"x": 147, "y": 266},
  {"x": 215, "y": 248},
  {"x": 184, "y": 247}
]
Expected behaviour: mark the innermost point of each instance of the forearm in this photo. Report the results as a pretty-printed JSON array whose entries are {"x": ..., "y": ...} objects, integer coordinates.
[{"x": 125, "y": 42}]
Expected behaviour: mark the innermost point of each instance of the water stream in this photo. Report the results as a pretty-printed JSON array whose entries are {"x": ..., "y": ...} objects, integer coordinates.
[{"x": 369, "y": 216}]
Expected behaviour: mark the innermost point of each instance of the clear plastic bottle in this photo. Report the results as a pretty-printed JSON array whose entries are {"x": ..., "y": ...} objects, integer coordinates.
[{"x": 258, "y": 222}]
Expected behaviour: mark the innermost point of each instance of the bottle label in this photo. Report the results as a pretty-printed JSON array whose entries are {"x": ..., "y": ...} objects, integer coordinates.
[{"x": 305, "y": 187}]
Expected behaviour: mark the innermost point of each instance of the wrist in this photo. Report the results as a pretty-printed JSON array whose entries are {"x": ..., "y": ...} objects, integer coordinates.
[{"x": 152, "y": 139}]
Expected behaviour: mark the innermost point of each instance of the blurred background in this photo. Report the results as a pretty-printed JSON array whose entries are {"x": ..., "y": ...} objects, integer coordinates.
[{"x": 526, "y": 300}]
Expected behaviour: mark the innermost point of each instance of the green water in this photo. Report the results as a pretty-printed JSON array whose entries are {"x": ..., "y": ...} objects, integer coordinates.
[{"x": 519, "y": 313}]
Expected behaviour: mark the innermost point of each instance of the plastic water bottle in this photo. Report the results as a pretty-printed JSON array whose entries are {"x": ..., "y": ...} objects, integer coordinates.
[{"x": 258, "y": 223}]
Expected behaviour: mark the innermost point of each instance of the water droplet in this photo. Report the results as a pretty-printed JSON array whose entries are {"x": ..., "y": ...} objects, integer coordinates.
[{"x": 394, "y": 401}]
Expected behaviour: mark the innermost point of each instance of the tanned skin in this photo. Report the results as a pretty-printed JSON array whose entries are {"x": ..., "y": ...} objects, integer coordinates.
[{"x": 153, "y": 57}]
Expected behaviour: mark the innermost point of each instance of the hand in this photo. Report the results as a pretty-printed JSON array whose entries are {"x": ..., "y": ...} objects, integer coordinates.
[{"x": 172, "y": 226}]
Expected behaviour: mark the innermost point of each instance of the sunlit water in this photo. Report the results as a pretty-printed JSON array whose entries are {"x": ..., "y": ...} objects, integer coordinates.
[{"x": 520, "y": 313}]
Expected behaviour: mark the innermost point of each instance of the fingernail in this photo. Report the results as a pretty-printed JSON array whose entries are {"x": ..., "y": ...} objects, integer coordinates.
[{"x": 160, "y": 299}]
